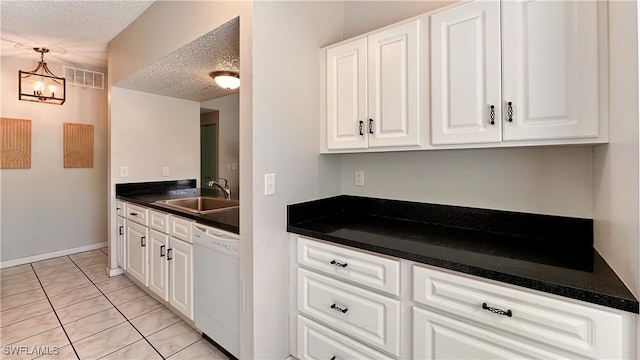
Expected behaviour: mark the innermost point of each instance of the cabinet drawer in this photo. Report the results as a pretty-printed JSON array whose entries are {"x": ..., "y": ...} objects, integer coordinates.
[
  {"x": 137, "y": 213},
  {"x": 180, "y": 228},
  {"x": 159, "y": 221},
  {"x": 582, "y": 329},
  {"x": 441, "y": 337},
  {"x": 363, "y": 314},
  {"x": 120, "y": 208},
  {"x": 364, "y": 269},
  {"x": 317, "y": 341}
]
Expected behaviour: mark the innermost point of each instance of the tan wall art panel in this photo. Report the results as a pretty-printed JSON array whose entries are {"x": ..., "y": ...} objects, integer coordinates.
[
  {"x": 78, "y": 145},
  {"x": 15, "y": 143}
]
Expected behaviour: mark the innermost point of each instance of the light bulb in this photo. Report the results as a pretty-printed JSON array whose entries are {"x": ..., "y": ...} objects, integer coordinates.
[
  {"x": 52, "y": 90},
  {"x": 37, "y": 88}
]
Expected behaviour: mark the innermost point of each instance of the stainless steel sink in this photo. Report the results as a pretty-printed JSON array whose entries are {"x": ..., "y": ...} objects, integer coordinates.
[{"x": 199, "y": 204}]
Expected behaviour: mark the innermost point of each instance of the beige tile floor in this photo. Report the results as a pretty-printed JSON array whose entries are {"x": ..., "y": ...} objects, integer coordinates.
[{"x": 67, "y": 308}]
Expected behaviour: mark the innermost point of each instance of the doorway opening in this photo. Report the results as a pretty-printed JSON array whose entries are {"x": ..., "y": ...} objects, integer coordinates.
[{"x": 209, "y": 151}]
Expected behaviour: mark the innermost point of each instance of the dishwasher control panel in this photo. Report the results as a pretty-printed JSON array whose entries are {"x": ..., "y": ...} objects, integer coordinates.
[{"x": 216, "y": 241}]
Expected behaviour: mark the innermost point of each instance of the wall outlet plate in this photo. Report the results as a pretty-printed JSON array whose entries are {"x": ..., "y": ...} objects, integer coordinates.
[
  {"x": 359, "y": 178},
  {"x": 269, "y": 184},
  {"x": 124, "y": 171}
]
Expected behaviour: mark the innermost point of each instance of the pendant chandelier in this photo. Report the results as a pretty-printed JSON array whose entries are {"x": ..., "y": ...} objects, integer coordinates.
[{"x": 44, "y": 87}]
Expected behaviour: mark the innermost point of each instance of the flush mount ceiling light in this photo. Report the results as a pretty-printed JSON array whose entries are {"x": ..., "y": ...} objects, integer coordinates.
[
  {"x": 44, "y": 87},
  {"x": 226, "y": 79}
]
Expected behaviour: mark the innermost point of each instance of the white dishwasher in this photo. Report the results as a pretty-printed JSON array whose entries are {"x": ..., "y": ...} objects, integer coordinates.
[{"x": 216, "y": 275}]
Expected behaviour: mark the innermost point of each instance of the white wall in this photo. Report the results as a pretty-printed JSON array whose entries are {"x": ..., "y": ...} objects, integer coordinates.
[
  {"x": 228, "y": 136},
  {"x": 49, "y": 208},
  {"x": 151, "y": 131},
  {"x": 163, "y": 28},
  {"x": 555, "y": 181},
  {"x": 616, "y": 181},
  {"x": 287, "y": 36}
]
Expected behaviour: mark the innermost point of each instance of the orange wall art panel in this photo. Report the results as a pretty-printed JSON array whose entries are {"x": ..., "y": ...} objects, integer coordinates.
[
  {"x": 15, "y": 143},
  {"x": 78, "y": 145}
]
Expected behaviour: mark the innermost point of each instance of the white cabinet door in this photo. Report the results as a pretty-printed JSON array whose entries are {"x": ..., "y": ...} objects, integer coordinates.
[
  {"x": 137, "y": 236},
  {"x": 347, "y": 95},
  {"x": 440, "y": 337},
  {"x": 394, "y": 86},
  {"x": 466, "y": 74},
  {"x": 180, "y": 259},
  {"x": 158, "y": 267},
  {"x": 550, "y": 74},
  {"x": 121, "y": 244}
]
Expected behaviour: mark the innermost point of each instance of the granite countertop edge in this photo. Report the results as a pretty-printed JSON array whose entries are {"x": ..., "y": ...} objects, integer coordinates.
[
  {"x": 590, "y": 296},
  {"x": 208, "y": 220}
]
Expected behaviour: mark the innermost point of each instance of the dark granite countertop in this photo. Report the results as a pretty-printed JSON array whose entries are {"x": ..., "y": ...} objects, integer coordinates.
[
  {"x": 547, "y": 253},
  {"x": 147, "y": 193}
]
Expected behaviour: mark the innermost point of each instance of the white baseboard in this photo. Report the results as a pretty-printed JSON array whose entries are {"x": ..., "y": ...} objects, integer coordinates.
[
  {"x": 114, "y": 272},
  {"x": 51, "y": 255}
]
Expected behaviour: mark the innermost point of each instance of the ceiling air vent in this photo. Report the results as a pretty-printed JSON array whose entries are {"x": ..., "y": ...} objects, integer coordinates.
[{"x": 83, "y": 77}]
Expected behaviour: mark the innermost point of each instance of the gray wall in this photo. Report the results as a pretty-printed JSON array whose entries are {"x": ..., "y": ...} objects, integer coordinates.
[{"x": 49, "y": 208}]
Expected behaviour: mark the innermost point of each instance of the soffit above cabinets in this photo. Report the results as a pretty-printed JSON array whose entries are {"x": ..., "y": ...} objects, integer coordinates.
[{"x": 184, "y": 73}]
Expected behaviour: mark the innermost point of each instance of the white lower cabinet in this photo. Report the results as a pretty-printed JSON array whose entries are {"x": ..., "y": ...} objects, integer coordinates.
[
  {"x": 180, "y": 259},
  {"x": 365, "y": 315},
  {"x": 440, "y": 337},
  {"x": 121, "y": 229},
  {"x": 316, "y": 341},
  {"x": 137, "y": 236},
  {"x": 160, "y": 255},
  {"x": 348, "y": 293},
  {"x": 344, "y": 311},
  {"x": 158, "y": 267}
]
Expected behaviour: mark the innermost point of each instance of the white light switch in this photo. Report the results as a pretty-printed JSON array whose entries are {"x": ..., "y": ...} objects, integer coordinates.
[
  {"x": 124, "y": 171},
  {"x": 359, "y": 178},
  {"x": 269, "y": 184},
  {"x": 165, "y": 171}
]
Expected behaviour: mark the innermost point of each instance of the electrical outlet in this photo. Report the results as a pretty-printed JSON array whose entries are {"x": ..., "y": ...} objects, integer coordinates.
[
  {"x": 124, "y": 171},
  {"x": 165, "y": 171},
  {"x": 234, "y": 166},
  {"x": 359, "y": 178}
]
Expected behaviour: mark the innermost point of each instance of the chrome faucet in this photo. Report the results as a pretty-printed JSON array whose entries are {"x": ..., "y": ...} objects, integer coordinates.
[{"x": 226, "y": 188}]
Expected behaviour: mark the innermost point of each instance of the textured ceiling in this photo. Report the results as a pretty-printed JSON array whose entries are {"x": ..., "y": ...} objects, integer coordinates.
[
  {"x": 82, "y": 28},
  {"x": 184, "y": 73}
]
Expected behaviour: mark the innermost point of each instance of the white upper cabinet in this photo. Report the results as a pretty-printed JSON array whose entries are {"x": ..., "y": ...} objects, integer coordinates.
[
  {"x": 347, "y": 95},
  {"x": 372, "y": 90},
  {"x": 550, "y": 69},
  {"x": 465, "y": 71},
  {"x": 540, "y": 84},
  {"x": 393, "y": 86}
]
